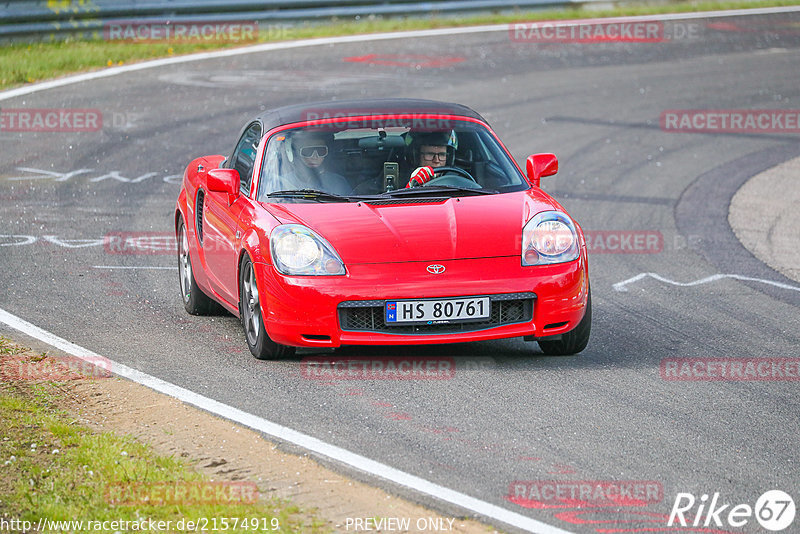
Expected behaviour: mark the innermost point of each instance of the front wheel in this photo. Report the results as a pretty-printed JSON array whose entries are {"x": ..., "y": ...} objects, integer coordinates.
[
  {"x": 573, "y": 341},
  {"x": 259, "y": 343}
]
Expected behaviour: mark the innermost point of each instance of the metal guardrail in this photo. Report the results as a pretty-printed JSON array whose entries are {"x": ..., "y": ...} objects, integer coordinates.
[{"x": 26, "y": 20}]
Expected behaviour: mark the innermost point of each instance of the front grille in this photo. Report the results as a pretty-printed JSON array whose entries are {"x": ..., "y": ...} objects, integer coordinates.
[{"x": 368, "y": 316}]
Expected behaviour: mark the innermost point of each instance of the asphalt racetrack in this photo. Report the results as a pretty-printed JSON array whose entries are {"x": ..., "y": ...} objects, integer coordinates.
[{"x": 509, "y": 425}]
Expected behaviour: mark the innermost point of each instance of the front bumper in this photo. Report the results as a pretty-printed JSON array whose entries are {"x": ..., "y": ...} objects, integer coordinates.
[{"x": 310, "y": 311}]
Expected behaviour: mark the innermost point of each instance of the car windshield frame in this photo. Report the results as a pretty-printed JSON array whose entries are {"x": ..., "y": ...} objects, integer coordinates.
[{"x": 357, "y": 147}]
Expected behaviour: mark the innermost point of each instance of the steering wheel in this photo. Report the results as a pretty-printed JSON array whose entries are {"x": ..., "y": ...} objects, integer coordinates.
[{"x": 448, "y": 170}]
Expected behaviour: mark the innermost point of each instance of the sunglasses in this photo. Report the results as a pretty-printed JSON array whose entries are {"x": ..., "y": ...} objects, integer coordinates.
[
  {"x": 309, "y": 151},
  {"x": 428, "y": 156}
]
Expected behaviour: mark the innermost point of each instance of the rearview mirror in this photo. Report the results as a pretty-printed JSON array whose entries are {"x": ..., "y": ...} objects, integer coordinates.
[
  {"x": 223, "y": 181},
  {"x": 539, "y": 166}
]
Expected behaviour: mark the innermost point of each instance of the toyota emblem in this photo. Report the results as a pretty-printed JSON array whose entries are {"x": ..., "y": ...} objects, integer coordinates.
[{"x": 436, "y": 268}]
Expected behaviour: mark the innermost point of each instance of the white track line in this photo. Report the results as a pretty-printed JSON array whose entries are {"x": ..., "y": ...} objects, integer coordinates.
[
  {"x": 621, "y": 286},
  {"x": 266, "y": 47},
  {"x": 283, "y": 433}
]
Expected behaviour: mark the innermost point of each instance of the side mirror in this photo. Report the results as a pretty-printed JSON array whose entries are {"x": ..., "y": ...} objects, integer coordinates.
[
  {"x": 539, "y": 166},
  {"x": 223, "y": 181}
]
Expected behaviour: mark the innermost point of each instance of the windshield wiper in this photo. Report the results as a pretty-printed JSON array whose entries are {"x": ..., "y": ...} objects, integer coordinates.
[
  {"x": 310, "y": 194},
  {"x": 438, "y": 189}
]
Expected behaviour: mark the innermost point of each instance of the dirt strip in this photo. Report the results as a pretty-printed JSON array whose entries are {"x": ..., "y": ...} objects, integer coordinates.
[{"x": 223, "y": 451}]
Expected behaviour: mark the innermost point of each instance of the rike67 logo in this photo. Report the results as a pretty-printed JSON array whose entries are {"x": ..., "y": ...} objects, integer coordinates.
[{"x": 774, "y": 511}]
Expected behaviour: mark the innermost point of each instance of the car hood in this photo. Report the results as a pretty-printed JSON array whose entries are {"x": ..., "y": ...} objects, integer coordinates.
[{"x": 456, "y": 228}]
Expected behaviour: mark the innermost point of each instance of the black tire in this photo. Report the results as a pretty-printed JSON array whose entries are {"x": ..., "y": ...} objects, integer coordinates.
[
  {"x": 194, "y": 300},
  {"x": 259, "y": 343},
  {"x": 573, "y": 341}
]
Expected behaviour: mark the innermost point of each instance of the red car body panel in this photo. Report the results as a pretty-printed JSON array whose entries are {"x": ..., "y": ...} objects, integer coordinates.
[
  {"x": 303, "y": 311},
  {"x": 386, "y": 250},
  {"x": 455, "y": 228}
]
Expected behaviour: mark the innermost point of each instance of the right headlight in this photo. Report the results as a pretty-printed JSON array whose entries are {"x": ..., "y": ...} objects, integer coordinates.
[
  {"x": 298, "y": 250},
  {"x": 549, "y": 237}
]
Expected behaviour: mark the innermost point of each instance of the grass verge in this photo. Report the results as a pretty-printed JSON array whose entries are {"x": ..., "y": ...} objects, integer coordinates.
[
  {"x": 52, "y": 469},
  {"x": 28, "y": 63}
]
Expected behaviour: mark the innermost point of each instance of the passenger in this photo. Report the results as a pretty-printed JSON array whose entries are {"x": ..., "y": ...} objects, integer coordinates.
[{"x": 307, "y": 152}]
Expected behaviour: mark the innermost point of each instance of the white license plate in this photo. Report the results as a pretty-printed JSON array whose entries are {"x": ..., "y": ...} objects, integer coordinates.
[{"x": 437, "y": 310}]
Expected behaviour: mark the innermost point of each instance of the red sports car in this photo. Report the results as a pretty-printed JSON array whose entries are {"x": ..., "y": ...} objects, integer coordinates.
[{"x": 380, "y": 222}]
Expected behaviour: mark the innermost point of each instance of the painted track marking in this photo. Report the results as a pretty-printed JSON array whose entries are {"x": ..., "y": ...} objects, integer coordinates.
[{"x": 622, "y": 286}]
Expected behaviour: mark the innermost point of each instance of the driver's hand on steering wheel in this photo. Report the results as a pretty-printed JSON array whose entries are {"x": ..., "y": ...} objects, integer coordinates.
[{"x": 420, "y": 176}]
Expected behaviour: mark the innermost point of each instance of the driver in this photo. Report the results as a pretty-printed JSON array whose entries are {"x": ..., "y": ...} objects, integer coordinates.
[{"x": 430, "y": 151}]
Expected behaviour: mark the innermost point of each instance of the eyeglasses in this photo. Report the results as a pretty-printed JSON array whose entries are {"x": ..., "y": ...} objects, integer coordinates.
[
  {"x": 428, "y": 156},
  {"x": 309, "y": 151}
]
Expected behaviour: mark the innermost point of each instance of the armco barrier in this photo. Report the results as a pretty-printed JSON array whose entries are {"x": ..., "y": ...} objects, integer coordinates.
[{"x": 39, "y": 20}]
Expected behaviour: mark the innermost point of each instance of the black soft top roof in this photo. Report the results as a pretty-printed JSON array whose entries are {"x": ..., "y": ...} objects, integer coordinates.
[{"x": 351, "y": 108}]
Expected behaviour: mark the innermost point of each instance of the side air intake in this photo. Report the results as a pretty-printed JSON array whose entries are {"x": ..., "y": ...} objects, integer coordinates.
[{"x": 198, "y": 222}]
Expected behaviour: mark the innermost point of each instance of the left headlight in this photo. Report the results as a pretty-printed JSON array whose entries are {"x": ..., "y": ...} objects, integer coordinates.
[
  {"x": 298, "y": 250},
  {"x": 549, "y": 237}
]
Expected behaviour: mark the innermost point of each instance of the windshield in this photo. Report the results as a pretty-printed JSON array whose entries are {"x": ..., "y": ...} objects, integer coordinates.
[{"x": 376, "y": 159}]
